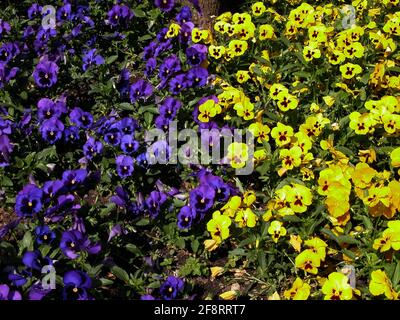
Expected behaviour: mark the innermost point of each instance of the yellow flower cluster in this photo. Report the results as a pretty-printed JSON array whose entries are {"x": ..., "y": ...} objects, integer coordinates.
[{"x": 381, "y": 113}]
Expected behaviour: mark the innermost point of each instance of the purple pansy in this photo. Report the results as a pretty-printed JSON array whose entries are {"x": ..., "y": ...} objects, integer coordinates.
[
  {"x": 92, "y": 147},
  {"x": 73, "y": 242},
  {"x": 140, "y": 90},
  {"x": 92, "y": 58},
  {"x": 76, "y": 285},
  {"x": 45, "y": 74},
  {"x": 52, "y": 130},
  {"x": 28, "y": 201},
  {"x": 171, "y": 288}
]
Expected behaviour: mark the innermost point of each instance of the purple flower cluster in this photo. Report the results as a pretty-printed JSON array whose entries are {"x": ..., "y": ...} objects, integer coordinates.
[
  {"x": 6, "y": 147},
  {"x": 119, "y": 16},
  {"x": 201, "y": 199}
]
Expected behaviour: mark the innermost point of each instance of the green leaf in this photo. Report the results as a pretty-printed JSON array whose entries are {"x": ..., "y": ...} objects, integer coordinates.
[
  {"x": 126, "y": 106},
  {"x": 111, "y": 59},
  {"x": 396, "y": 276},
  {"x": 106, "y": 282},
  {"x": 6, "y": 182},
  {"x": 192, "y": 267},
  {"x": 139, "y": 13},
  {"x": 195, "y": 245},
  {"x": 120, "y": 273},
  {"x": 180, "y": 243},
  {"x": 133, "y": 249},
  {"x": 143, "y": 222},
  {"x": 26, "y": 242}
]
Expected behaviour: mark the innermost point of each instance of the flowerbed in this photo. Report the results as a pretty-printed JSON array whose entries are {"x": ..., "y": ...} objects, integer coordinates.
[{"x": 144, "y": 157}]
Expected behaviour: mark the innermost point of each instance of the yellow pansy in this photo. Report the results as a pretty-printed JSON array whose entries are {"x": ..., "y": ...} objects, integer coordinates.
[
  {"x": 246, "y": 218},
  {"x": 395, "y": 158},
  {"x": 276, "y": 89},
  {"x": 218, "y": 226},
  {"x": 266, "y": 31},
  {"x": 238, "y": 47},
  {"x": 355, "y": 50},
  {"x": 245, "y": 109},
  {"x": 349, "y": 70},
  {"x": 173, "y": 30},
  {"x": 260, "y": 131},
  {"x": 238, "y": 154},
  {"x": 390, "y": 238},
  {"x": 337, "y": 287},
  {"x": 241, "y": 18},
  {"x": 300, "y": 197},
  {"x": 311, "y": 52},
  {"x": 286, "y": 101},
  {"x": 276, "y": 230},
  {"x": 318, "y": 246},
  {"x": 258, "y": 8},
  {"x": 361, "y": 123},
  {"x": 282, "y": 134},
  {"x": 380, "y": 284},
  {"x": 295, "y": 241},
  {"x": 308, "y": 261},
  {"x": 216, "y": 51},
  {"x": 208, "y": 110},
  {"x": 290, "y": 157},
  {"x": 249, "y": 197},
  {"x": 232, "y": 206},
  {"x": 299, "y": 290},
  {"x": 199, "y": 35},
  {"x": 242, "y": 76}
]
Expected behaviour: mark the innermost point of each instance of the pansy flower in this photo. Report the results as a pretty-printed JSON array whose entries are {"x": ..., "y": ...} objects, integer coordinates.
[
  {"x": 202, "y": 198},
  {"x": 178, "y": 83},
  {"x": 45, "y": 74},
  {"x": 44, "y": 235},
  {"x": 8, "y": 51},
  {"x": 80, "y": 118},
  {"x": 124, "y": 166},
  {"x": 218, "y": 226},
  {"x": 76, "y": 285},
  {"x": 186, "y": 217},
  {"x": 4, "y": 27},
  {"x": 28, "y": 201},
  {"x": 71, "y": 134},
  {"x": 171, "y": 288},
  {"x": 169, "y": 67},
  {"x": 7, "y": 74},
  {"x": 92, "y": 147},
  {"x": 34, "y": 11},
  {"x": 128, "y": 144},
  {"x": 184, "y": 15},
  {"x": 52, "y": 130},
  {"x": 154, "y": 203},
  {"x": 34, "y": 260},
  {"x": 7, "y": 294},
  {"x": 197, "y": 77},
  {"x": 91, "y": 58},
  {"x": 337, "y": 287},
  {"x": 140, "y": 90},
  {"x": 196, "y": 54},
  {"x": 119, "y": 15},
  {"x": 73, "y": 178},
  {"x": 48, "y": 109},
  {"x": 64, "y": 13},
  {"x": 165, "y": 5},
  {"x": 73, "y": 242}
]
